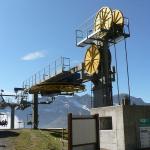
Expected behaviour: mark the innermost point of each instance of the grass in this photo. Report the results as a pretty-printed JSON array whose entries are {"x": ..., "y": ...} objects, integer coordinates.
[
  {"x": 58, "y": 134},
  {"x": 38, "y": 140}
]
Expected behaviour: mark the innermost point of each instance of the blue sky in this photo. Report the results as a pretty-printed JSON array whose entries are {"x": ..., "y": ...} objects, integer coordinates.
[{"x": 45, "y": 29}]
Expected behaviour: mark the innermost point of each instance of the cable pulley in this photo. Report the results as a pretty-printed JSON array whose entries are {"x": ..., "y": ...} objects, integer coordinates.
[
  {"x": 118, "y": 21},
  {"x": 103, "y": 19},
  {"x": 92, "y": 60}
]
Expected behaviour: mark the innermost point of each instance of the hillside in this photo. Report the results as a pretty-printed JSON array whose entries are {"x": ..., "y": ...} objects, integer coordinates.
[{"x": 32, "y": 140}]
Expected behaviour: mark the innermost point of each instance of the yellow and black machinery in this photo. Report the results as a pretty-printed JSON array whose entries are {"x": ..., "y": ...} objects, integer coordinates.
[{"x": 107, "y": 28}]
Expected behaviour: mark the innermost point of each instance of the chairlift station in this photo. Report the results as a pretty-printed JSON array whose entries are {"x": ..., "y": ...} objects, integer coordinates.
[{"x": 122, "y": 127}]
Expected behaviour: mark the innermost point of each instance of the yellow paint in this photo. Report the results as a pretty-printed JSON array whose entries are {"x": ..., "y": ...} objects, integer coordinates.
[
  {"x": 56, "y": 88},
  {"x": 92, "y": 59},
  {"x": 118, "y": 18},
  {"x": 103, "y": 19}
]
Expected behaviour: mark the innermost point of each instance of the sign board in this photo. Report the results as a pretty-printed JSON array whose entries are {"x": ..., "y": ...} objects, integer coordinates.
[
  {"x": 144, "y": 133},
  {"x": 144, "y": 122},
  {"x": 83, "y": 132}
]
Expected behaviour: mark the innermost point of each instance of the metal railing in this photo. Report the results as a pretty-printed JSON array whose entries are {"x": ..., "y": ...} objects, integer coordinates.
[
  {"x": 87, "y": 29},
  {"x": 58, "y": 66}
]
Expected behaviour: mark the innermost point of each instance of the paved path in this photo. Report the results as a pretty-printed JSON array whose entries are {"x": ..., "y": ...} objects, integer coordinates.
[
  {"x": 6, "y": 138},
  {"x": 5, "y": 144}
]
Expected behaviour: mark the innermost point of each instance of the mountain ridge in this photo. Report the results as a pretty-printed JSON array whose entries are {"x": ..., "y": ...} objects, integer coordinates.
[{"x": 55, "y": 114}]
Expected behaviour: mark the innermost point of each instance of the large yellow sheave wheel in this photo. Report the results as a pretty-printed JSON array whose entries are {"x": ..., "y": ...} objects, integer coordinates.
[
  {"x": 118, "y": 18},
  {"x": 103, "y": 19},
  {"x": 92, "y": 59}
]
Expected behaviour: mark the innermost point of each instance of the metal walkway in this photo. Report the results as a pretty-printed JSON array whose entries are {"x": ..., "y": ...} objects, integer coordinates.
[
  {"x": 56, "y": 78},
  {"x": 86, "y": 34}
]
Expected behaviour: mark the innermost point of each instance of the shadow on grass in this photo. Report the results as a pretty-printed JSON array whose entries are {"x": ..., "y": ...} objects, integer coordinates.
[
  {"x": 58, "y": 134},
  {"x": 2, "y": 145},
  {"x": 5, "y": 134}
]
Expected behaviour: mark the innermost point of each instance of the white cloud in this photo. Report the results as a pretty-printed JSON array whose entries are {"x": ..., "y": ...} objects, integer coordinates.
[{"x": 33, "y": 56}]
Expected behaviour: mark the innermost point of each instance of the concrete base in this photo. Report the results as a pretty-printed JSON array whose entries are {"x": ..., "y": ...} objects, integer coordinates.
[{"x": 119, "y": 126}]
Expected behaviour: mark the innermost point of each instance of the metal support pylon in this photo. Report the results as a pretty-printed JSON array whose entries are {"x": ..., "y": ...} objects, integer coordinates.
[
  {"x": 35, "y": 112},
  {"x": 102, "y": 81}
]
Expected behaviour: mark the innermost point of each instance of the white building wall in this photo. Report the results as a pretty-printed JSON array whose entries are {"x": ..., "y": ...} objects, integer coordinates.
[{"x": 111, "y": 139}]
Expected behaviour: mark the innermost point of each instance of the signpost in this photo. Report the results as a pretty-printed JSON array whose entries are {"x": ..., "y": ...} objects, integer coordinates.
[{"x": 83, "y": 132}]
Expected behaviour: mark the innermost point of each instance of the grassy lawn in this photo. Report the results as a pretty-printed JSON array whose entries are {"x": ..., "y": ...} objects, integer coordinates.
[{"x": 39, "y": 140}]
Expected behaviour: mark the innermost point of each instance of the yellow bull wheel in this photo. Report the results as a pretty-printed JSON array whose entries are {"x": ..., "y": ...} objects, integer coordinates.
[
  {"x": 92, "y": 60},
  {"x": 103, "y": 19},
  {"x": 118, "y": 21},
  {"x": 56, "y": 87},
  {"x": 118, "y": 18}
]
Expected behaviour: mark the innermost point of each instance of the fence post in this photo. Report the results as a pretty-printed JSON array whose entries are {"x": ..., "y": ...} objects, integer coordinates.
[
  {"x": 96, "y": 116},
  {"x": 70, "y": 131}
]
